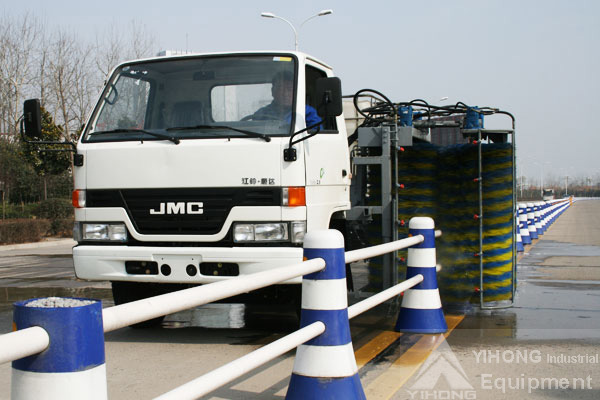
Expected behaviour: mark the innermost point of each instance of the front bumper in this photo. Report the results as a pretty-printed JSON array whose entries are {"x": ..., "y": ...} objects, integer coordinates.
[{"x": 108, "y": 262}]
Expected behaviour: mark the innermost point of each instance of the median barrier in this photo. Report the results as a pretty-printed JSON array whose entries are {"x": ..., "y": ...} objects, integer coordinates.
[
  {"x": 523, "y": 225},
  {"x": 421, "y": 310},
  {"x": 537, "y": 215},
  {"x": 324, "y": 367},
  {"x": 531, "y": 221}
]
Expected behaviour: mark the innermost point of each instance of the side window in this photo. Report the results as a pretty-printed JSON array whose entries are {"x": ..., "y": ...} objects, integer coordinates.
[{"x": 312, "y": 74}]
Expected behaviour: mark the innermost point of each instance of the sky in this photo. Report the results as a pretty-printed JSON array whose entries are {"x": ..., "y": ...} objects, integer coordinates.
[{"x": 539, "y": 60}]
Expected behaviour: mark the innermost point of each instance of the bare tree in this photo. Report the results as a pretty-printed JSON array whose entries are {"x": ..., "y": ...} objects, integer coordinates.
[
  {"x": 18, "y": 45},
  {"x": 142, "y": 43},
  {"x": 69, "y": 78},
  {"x": 59, "y": 68},
  {"x": 112, "y": 48},
  {"x": 85, "y": 87}
]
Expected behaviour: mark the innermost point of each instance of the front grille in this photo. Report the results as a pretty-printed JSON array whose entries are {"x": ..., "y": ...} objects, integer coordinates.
[{"x": 216, "y": 206}]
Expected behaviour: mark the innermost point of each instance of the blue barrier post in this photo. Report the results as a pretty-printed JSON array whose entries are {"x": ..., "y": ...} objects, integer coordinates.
[
  {"x": 531, "y": 221},
  {"x": 421, "y": 310},
  {"x": 551, "y": 212},
  {"x": 524, "y": 229},
  {"x": 520, "y": 247},
  {"x": 538, "y": 217},
  {"x": 72, "y": 367},
  {"x": 325, "y": 367},
  {"x": 544, "y": 216}
]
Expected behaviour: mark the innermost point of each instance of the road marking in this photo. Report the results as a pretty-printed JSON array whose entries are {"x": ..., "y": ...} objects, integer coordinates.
[
  {"x": 389, "y": 382},
  {"x": 383, "y": 387},
  {"x": 378, "y": 344}
]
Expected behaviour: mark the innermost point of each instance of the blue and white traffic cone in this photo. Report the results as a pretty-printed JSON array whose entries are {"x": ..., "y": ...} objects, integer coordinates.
[
  {"x": 531, "y": 221},
  {"x": 421, "y": 310},
  {"x": 538, "y": 217},
  {"x": 544, "y": 212},
  {"x": 73, "y": 366},
  {"x": 325, "y": 367},
  {"x": 523, "y": 227},
  {"x": 520, "y": 247},
  {"x": 552, "y": 216}
]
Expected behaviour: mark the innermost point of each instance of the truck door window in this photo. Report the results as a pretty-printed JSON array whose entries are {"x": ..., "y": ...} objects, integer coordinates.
[{"x": 312, "y": 74}]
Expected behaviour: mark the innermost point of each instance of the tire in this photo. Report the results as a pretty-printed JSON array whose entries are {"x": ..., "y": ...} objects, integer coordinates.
[{"x": 126, "y": 292}]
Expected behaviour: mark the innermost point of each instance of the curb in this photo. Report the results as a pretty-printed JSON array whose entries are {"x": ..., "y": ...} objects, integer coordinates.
[{"x": 47, "y": 243}]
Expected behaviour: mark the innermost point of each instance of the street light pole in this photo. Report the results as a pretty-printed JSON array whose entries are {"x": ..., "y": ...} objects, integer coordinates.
[{"x": 319, "y": 14}]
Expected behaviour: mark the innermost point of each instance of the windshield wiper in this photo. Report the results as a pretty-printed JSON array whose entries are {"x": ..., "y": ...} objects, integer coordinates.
[
  {"x": 220, "y": 127},
  {"x": 135, "y": 130}
]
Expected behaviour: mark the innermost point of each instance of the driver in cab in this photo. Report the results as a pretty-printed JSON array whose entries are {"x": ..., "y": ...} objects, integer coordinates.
[{"x": 280, "y": 108}]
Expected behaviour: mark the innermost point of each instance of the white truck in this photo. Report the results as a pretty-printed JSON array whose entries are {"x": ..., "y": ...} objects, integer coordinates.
[
  {"x": 201, "y": 167},
  {"x": 178, "y": 182},
  {"x": 547, "y": 194}
]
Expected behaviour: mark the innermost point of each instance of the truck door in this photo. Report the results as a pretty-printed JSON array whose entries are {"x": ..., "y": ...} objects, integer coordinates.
[{"x": 327, "y": 162}]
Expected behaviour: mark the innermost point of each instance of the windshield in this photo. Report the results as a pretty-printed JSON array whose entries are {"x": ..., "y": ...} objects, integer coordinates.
[{"x": 203, "y": 97}]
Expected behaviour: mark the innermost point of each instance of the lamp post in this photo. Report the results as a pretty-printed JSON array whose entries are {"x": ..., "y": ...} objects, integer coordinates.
[{"x": 319, "y": 14}]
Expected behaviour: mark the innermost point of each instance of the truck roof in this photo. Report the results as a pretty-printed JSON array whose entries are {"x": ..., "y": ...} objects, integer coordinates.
[{"x": 180, "y": 55}]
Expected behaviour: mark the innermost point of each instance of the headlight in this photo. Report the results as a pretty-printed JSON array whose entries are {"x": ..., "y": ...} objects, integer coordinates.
[
  {"x": 298, "y": 231},
  {"x": 270, "y": 232},
  {"x": 265, "y": 232},
  {"x": 106, "y": 232},
  {"x": 243, "y": 233}
]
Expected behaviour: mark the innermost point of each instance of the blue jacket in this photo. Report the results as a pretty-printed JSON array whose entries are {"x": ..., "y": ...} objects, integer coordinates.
[{"x": 270, "y": 112}]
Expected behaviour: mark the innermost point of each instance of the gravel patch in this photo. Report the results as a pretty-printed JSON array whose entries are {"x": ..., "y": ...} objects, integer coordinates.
[{"x": 58, "y": 302}]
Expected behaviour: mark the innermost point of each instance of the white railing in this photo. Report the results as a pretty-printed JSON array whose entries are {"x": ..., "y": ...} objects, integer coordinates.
[
  {"x": 233, "y": 370},
  {"x": 27, "y": 342},
  {"x": 31, "y": 341},
  {"x": 23, "y": 343}
]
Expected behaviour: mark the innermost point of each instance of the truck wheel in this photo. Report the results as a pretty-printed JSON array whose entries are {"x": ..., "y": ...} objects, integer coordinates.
[{"x": 126, "y": 292}]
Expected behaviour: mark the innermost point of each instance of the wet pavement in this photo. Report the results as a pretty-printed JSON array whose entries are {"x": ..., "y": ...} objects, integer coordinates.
[{"x": 550, "y": 335}]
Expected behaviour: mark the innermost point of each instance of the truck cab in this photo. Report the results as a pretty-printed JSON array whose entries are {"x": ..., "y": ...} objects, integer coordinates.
[{"x": 181, "y": 179}]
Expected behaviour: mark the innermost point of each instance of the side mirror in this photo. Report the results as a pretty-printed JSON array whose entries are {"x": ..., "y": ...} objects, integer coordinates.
[
  {"x": 329, "y": 95},
  {"x": 32, "y": 117}
]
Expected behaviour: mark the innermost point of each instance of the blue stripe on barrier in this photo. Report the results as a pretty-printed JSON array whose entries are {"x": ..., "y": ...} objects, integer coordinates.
[
  {"x": 305, "y": 387},
  {"x": 69, "y": 328},
  {"x": 429, "y": 277},
  {"x": 332, "y": 257},
  {"x": 414, "y": 320},
  {"x": 337, "y": 331},
  {"x": 428, "y": 234}
]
